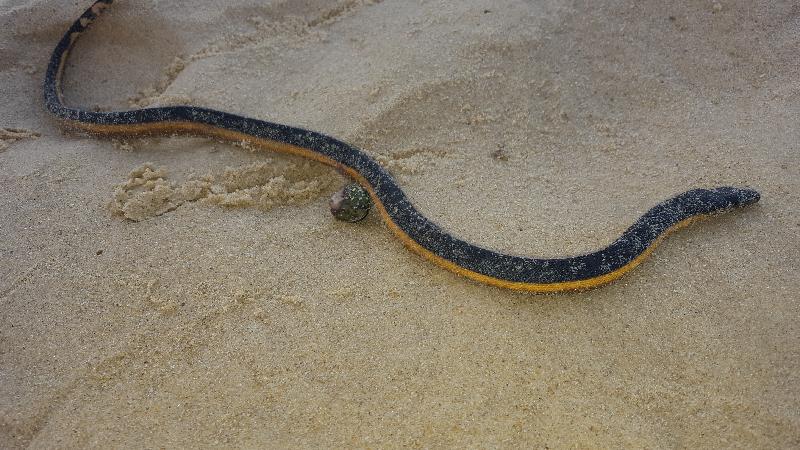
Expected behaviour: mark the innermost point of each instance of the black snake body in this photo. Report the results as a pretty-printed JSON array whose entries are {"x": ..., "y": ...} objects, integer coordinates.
[{"x": 415, "y": 230}]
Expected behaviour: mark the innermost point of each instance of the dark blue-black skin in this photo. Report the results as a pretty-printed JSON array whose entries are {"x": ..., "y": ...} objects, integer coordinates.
[{"x": 633, "y": 242}]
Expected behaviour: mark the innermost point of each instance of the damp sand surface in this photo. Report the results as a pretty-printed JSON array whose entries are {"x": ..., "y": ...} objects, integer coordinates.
[{"x": 183, "y": 292}]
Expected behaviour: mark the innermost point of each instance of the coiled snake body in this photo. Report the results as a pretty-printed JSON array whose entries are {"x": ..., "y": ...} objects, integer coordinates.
[{"x": 416, "y": 231}]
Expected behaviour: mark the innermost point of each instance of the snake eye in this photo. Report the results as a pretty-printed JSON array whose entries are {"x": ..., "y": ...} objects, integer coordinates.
[{"x": 351, "y": 203}]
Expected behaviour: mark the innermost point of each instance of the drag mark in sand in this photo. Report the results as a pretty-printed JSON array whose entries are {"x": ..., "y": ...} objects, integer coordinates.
[
  {"x": 149, "y": 192},
  {"x": 10, "y": 135}
]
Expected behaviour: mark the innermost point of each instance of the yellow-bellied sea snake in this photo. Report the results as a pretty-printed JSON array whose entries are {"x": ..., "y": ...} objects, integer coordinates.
[{"x": 415, "y": 230}]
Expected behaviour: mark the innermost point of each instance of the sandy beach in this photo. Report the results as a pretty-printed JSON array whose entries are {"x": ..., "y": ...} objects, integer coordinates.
[{"x": 181, "y": 292}]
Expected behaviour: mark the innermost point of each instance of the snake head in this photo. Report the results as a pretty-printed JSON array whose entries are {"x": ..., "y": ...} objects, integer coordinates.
[{"x": 738, "y": 197}]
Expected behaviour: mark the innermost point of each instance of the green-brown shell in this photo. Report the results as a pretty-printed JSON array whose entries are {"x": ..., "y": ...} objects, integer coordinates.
[{"x": 351, "y": 203}]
